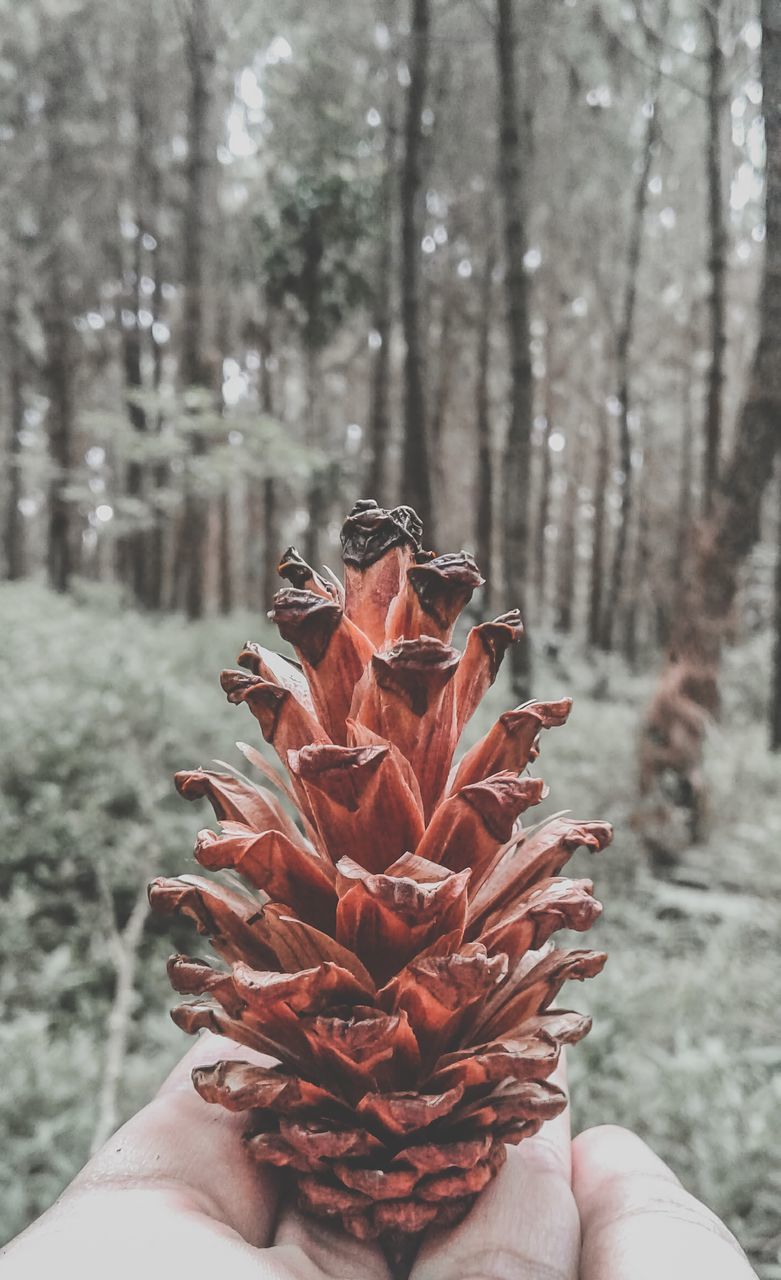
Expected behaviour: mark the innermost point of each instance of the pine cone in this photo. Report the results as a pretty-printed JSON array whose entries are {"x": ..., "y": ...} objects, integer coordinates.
[{"x": 392, "y": 952}]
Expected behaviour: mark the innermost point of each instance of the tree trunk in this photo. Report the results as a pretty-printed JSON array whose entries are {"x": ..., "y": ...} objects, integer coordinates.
[
  {"x": 775, "y": 697},
  {"x": 597, "y": 566},
  {"x": 687, "y": 692},
  {"x": 60, "y": 553},
  {"x": 641, "y": 565},
  {"x": 377, "y": 479},
  {"x": 264, "y": 498},
  {"x": 514, "y": 148},
  {"x": 717, "y": 257},
  {"x": 15, "y": 557},
  {"x": 134, "y": 551},
  {"x": 485, "y": 499},
  {"x": 201, "y": 63},
  {"x": 543, "y": 501},
  {"x": 272, "y": 542},
  {"x": 135, "y": 546},
  {"x": 156, "y": 535},
  {"x": 225, "y": 554},
  {"x": 416, "y": 477},
  {"x": 60, "y": 359},
  {"x": 623, "y": 354},
  {"x": 565, "y": 585},
  {"x": 446, "y": 346},
  {"x": 315, "y": 438},
  {"x": 680, "y": 550}
]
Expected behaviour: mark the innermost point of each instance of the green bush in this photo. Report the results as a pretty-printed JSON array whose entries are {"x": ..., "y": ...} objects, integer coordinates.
[{"x": 100, "y": 707}]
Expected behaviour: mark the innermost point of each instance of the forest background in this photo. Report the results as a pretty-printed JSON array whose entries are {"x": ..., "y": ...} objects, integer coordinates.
[{"x": 516, "y": 263}]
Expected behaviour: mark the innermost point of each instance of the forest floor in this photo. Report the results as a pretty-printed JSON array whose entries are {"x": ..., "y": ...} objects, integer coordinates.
[{"x": 98, "y": 707}]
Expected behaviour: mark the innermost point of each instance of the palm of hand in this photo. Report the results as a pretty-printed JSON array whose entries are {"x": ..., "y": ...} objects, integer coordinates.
[{"x": 174, "y": 1193}]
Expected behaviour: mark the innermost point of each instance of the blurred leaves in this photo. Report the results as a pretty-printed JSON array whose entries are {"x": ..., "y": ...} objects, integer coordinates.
[{"x": 310, "y": 248}]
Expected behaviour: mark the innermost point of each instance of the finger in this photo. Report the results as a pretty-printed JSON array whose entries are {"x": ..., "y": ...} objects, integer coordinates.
[
  {"x": 333, "y": 1254},
  {"x": 131, "y": 1234},
  {"x": 638, "y": 1222},
  {"x": 179, "y": 1140},
  {"x": 524, "y": 1226},
  {"x": 208, "y": 1048}
]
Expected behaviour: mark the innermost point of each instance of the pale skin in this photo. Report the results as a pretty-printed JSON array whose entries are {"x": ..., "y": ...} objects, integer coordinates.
[{"x": 174, "y": 1194}]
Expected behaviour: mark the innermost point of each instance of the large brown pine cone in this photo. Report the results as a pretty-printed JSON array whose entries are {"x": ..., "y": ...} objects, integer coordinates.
[{"x": 390, "y": 948}]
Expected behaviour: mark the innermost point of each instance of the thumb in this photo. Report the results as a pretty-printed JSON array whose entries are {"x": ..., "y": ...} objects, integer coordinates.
[{"x": 181, "y": 1141}]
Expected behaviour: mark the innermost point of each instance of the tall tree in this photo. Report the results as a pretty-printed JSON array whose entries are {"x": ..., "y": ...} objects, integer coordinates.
[
  {"x": 544, "y": 479},
  {"x": 673, "y": 730},
  {"x": 514, "y": 151},
  {"x": 624, "y": 339},
  {"x": 485, "y": 478},
  {"x": 641, "y": 562},
  {"x": 717, "y": 254},
  {"x": 198, "y": 20},
  {"x": 598, "y": 529},
  {"x": 65, "y": 70},
  {"x": 568, "y": 527},
  {"x": 143, "y": 77},
  {"x": 775, "y": 696},
  {"x": 272, "y": 541},
  {"x": 377, "y": 479},
  {"x": 416, "y": 462},
  {"x": 679, "y": 560},
  {"x": 14, "y": 532},
  {"x": 157, "y": 534}
]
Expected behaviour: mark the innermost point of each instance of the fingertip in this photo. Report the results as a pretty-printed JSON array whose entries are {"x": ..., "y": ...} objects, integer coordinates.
[
  {"x": 207, "y": 1049},
  {"x": 639, "y": 1221},
  {"x": 609, "y": 1151}
]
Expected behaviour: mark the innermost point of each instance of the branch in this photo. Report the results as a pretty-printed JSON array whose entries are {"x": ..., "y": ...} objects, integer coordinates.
[
  {"x": 123, "y": 946},
  {"x": 645, "y": 62}
]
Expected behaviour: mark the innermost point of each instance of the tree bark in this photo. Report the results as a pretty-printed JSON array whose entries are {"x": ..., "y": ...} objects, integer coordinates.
[
  {"x": 623, "y": 371},
  {"x": 565, "y": 585},
  {"x": 225, "y": 553},
  {"x": 139, "y": 554},
  {"x": 543, "y": 500},
  {"x": 597, "y": 565},
  {"x": 514, "y": 147},
  {"x": 272, "y": 542},
  {"x": 156, "y": 536},
  {"x": 416, "y": 475},
  {"x": 134, "y": 551},
  {"x": 640, "y": 565},
  {"x": 316, "y": 437},
  {"x": 377, "y": 479},
  {"x": 485, "y": 495},
  {"x": 680, "y": 550},
  {"x": 687, "y": 692},
  {"x": 717, "y": 257},
  {"x": 60, "y": 359},
  {"x": 446, "y": 348},
  {"x": 264, "y": 504},
  {"x": 15, "y": 557},
  {"x": 194, "y": 371},
  {"x": 775, "y": 696}
]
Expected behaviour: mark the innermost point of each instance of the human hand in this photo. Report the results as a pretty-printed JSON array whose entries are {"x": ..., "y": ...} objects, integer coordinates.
[{"x": 175, "y": 1193}]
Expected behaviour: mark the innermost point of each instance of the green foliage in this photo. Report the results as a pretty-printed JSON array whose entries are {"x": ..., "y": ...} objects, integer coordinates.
[
  {"x": 310, "y": 250},
  {"x": 97, "y": 710},
  {"x": 239, "y": 445}
]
